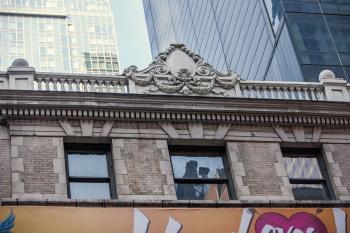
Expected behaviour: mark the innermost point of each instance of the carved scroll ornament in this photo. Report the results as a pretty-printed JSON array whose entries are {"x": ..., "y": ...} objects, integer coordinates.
[{"x": 180, "y": 71}]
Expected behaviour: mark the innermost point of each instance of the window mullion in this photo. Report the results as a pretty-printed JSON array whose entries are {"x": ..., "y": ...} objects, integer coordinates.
[
  {"x": 306, "y": 181},
  {"x": 89, "y": 179}
]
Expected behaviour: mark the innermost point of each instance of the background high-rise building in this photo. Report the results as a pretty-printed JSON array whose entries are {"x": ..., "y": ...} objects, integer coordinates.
[
  {"x": 75, "y": 36},
  {"x": 260, "y": 39}
]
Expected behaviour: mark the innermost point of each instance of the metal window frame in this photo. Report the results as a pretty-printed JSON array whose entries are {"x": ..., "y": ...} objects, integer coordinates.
[
  {"x": 311, "y": 153},
  {"x": 197, "y": 151},
  {"x": 91, "y": 148}
]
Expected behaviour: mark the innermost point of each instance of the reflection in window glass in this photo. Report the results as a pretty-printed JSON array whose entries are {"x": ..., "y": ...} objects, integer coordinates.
[
  {"x": 309, "y": 192},
  {"x": 305, "y": 175},
  {"x": 202, "y": 191},
  {"x": 302, "y": 168},
  {"x": 89, "y": 175},
  {"x": 198, "y": 167},
  {"x": 89, "y": 190},
  {"x": 275, "y": 12},
  {"x": 87, "y": 165},
  {"x": 310, "y": 33},
  {"x": 335, "y": 7},
  {"x": 200, "y": 176},
  {"x": 340, "y": 29},
  {"x": 313, "y": 44},
  {"x": 307, "y": 6}
]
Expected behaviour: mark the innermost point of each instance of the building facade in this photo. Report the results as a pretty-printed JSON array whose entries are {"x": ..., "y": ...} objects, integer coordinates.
[
  {"x": 59, "y": 36},
  {"x": 186, "y": 149},
  {"x": 260, "y": 39}
]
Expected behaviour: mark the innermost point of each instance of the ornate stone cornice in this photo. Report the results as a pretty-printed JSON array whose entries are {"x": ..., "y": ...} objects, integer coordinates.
[
  {"x": 127, "y": 107},
  {"x": 180, "y": 71}
]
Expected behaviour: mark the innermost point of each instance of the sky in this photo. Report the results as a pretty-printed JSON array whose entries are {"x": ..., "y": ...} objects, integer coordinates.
[{"x": 132, "y": 37}]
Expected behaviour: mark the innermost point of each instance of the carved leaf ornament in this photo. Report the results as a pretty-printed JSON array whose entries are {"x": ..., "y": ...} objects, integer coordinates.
[{"x": 180, "y": 71}]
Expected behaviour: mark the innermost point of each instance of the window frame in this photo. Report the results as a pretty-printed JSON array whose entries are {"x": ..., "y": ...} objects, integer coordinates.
[
  {"x": 91, "y": 148},
  {"x": 311, "y": 153},
  {"x": 197, "y": 151}
]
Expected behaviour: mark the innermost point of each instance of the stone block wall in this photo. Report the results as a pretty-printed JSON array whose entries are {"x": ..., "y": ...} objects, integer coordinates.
[
  {"x": 38, "y": 167},
  {"x": 34, "y": 167},
  {"x": 5, "y": 163},
  {"x": 258, "y": 171},
  {"x": 143, "y": 170},
  {"x": 337, "y": 158}
]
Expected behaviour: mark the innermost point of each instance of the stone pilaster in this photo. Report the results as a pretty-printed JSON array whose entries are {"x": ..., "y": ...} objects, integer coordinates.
[
  {"x": 5, "y": 162},
  {"x": 143, "y": 170},
  {"x": 38, "y": 167},
  {"x": 258, "y": 171},
  {"x": 337, "y": 157}
]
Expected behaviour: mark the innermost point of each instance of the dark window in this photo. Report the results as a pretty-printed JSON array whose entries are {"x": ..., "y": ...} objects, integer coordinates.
[
  {"x": 315, "y": 46},
  {"x": 340, "y": 7},
  {"x": 307, "y": 174},
  {"x": 89, "y": 172},
  {"x": 307, "y": 6},
  {"x": 340, "y": 29},
  {"x": 201, "y": 173},
  {"x": 312, "y": 39}
]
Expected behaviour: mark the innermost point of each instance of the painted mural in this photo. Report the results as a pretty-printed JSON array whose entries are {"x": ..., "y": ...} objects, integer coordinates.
[{"x": 173, "y": 220}]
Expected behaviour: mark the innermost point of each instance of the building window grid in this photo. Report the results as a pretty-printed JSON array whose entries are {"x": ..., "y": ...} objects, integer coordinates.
[
  {"x": 320, "y": 59},
  {"x": 96, "y": 43},
  {"x": 275, "y": 9},
  {"x": 34, "y": 58},
  {"x": 30, "y": 4},
  {"x": 24, "y": 46},
  {"x": 307, "y": 174}
]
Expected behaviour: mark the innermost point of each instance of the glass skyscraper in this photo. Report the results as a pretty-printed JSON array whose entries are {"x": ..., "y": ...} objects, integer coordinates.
[
  {"x": 292, "y": 40},
  {"x": 70, "y": 36}
]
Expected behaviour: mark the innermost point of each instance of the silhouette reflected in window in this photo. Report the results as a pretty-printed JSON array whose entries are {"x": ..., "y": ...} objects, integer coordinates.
[{"x": 200, "y": 175}]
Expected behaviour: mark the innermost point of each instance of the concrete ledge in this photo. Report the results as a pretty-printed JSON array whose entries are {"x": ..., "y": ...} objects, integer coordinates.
[{"x": 174, "y": 204}]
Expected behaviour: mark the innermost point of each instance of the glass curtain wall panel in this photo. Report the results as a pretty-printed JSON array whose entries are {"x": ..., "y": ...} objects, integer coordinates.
[{"x": 59, "y": 35}]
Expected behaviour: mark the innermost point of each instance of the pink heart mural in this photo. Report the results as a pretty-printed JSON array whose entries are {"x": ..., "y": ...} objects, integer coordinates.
[{"x": 297, "y": 223}]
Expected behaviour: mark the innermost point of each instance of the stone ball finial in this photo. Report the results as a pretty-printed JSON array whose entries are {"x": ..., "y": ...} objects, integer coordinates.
[
  {"x": 20, "y": 62},
  {"x": 326, "y": 74}
]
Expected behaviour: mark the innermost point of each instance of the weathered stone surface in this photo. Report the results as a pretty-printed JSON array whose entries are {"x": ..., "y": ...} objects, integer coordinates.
[
  {"x": 38, "y": 168},
  {"x": 141, "y": 169},
  {"x": 338, "y": 160},
  {"x": 256, "y": 166},
  {"x": 299, "y": 133},
  {"x": 66, "y": 127},
  {"x": 5, "y": 169},
  {"x": 196, "y": 130},
  {"x": 4, "y": 132},
  {"x": 86, "y": 127},
  {"x": 221, "y": 131},
  {"x": 281, "y": 133},
  {"x": 169, "y": 129},
  {"x": 107, "y": 127}
]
